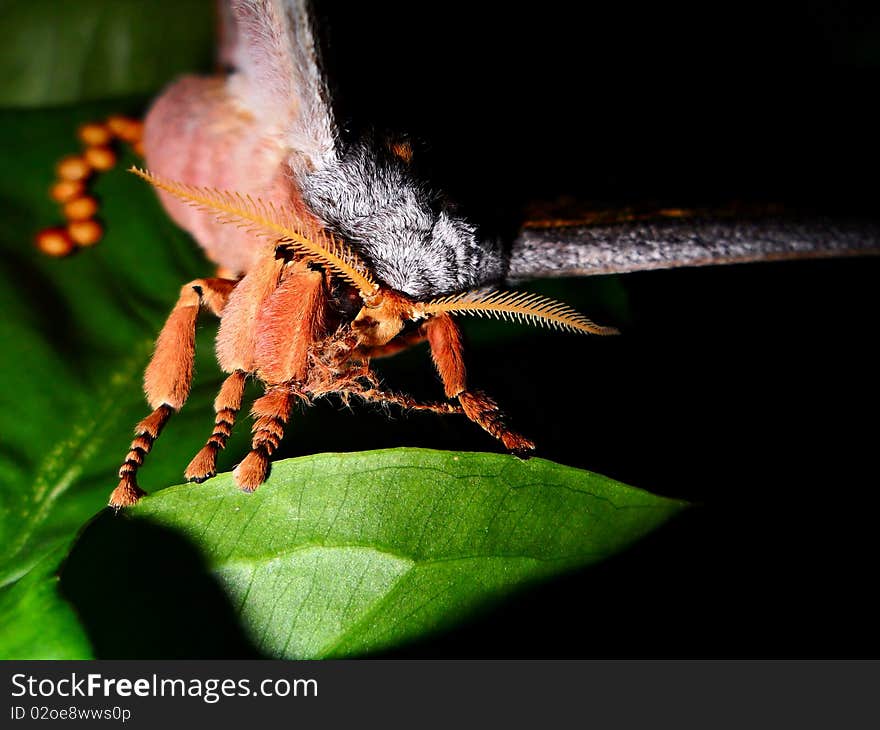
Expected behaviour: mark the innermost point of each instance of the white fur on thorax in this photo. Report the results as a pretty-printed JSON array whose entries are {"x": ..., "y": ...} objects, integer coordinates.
[{"x": 409, "y": 235}]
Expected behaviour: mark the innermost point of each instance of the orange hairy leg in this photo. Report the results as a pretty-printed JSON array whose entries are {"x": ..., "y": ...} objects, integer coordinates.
[
  {"x": 286, "y": 318},
  {"x": 236, "y": 339},
  {"x": 226, "y": 406},
  {"x": 444, "y": 337},
  {"x": 484, "y": 411},
  {"x": 168, "y": 376},
  {"x": 146, "y": 432},
  {"x": 291, "y": 320},
  {"x": 285, "y": 328},
  {"x": 270, "y": 414},
  {"x": 407, "y": 402}
]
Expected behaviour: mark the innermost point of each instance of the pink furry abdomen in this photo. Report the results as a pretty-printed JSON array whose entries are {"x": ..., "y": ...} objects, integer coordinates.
[{"x": 196, "y": 134}]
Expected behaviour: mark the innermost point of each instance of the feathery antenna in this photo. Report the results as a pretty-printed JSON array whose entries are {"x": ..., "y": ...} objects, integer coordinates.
[
  {"x": 518, "y": 307},
  {"x": 269, "y": 220}
]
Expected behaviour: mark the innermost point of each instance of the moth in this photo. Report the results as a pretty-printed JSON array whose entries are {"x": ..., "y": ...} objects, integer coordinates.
[{"x": 332, "y": 252}]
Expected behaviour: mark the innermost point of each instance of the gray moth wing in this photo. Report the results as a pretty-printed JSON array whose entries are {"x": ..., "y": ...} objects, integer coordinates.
[
  {"x": 579, "y": 249},
  {"x": 276, "y": 76}
]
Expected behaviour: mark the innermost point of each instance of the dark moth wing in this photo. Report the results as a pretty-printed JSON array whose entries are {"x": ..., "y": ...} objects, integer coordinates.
[{"x": 613, "y": 242}]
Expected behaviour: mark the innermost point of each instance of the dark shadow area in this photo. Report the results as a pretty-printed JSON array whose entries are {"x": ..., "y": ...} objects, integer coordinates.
[
  {"x": 143, "y": 592},
  {"x": 714, "y": 583},
  {"x": 618, "y": 102}
]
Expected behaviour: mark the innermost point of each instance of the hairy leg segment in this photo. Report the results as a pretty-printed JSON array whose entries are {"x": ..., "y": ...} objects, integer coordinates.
[
  {"x": 168, "y": 377},
  {"x": 226, "y": 406},
  {"x": 444, "y": 337},
  {"x": 270, "y": 413}
]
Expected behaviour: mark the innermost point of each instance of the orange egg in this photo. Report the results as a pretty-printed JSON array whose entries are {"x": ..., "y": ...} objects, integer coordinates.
[
  {"x": 85, "y": 233},
  {"x": 65, "y": 190},
  {"x": 126, "y": 128},
  {"x": 73, "y": 168},
  {"x": 54, "y": 242},
  {"x": 94, "y": 134},
  {"x": 135, "y": 132},
  {"x": 117, "y": 122},
  {"x": 100, "y": 158},
  {"x": 79, "y": 209}
]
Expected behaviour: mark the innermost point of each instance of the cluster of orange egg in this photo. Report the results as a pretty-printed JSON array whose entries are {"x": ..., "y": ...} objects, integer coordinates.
[{"x": 69, "y": 190}]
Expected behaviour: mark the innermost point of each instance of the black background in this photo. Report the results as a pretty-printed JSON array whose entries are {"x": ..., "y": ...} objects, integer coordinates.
[{"x": 750, "y": 389}]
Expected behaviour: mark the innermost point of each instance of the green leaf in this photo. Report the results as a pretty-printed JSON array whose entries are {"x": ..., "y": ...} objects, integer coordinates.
[
  {"x": 61, "y": 52},
  {"x": 345, "y": 554},
  {"x": 35, "y": 623}
]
